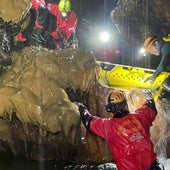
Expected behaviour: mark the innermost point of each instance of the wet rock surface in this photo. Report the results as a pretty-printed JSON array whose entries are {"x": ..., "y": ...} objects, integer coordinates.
[
  {"x": 39, "y": 119},
  {"x": 15, "y": 11}
]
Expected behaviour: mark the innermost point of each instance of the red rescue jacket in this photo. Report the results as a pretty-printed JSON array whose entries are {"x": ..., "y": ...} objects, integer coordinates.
[
  {"x": 64, "y": 28},
  {"x": 128, "y": 138}
]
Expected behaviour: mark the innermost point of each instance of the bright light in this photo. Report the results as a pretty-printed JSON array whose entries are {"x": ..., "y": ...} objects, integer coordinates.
[
  {"x": 142, "y": 50},
  {"x": 104, "y": 36}
]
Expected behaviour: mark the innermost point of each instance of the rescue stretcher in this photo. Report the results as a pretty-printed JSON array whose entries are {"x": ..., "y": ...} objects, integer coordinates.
[{"x": 128, "y": 77}]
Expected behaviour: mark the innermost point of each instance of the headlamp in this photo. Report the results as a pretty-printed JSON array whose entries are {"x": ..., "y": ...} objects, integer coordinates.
[{"x": 64, "y": 15}]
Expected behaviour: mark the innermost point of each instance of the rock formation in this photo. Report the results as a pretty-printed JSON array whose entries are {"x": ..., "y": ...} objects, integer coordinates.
[
  {"x": 33, "y": 96},
  {"x": 15, "y": 11}
]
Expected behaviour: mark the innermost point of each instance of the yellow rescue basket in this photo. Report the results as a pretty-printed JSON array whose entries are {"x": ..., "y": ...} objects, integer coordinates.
[{"x": 127, "y": 77}]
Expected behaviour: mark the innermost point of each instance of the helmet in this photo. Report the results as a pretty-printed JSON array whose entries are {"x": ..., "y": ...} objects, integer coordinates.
[
  {"x": 116, "y": 101},
  {"x": 64, "y": 6},
  {"x": 116, "y": 97},
  {"x": 167, "y": 39},
  {"x": 148, "y": 42}
]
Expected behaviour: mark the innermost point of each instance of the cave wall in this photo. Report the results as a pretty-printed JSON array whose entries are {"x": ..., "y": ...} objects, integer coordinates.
[{"x": 15, "y": 11}]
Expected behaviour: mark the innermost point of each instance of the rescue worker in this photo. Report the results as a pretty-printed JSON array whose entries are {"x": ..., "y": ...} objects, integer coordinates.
[
  {"x": 126, "y": 134},
  {"x": 34, "y": 33},
  {"x": 55, "y": 24},
  {"x": 41, "y": 13},
  {"x": 160, "y": 48},
  {"x": 62, "y": 35}
]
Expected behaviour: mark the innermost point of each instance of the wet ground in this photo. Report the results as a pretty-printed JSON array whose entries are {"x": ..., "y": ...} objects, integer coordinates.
[{"x": 24, "y": 164}]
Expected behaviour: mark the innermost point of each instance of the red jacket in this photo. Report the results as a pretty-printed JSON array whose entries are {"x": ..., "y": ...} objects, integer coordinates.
[
  {"x": 64, "y": 28},
  {"x": 128, "y": 138},
  {"x": 38, "y": 3}
]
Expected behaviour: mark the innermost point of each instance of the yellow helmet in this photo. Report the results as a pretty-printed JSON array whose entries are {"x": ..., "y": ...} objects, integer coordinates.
[
  {"x": 116, "y": 97},
  {"x": 149, "y": 42},
  {"x": 167, "y": 39},
  {"x": 64, "y": 6}
]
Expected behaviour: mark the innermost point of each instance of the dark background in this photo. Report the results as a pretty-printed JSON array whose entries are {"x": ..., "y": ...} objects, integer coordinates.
[{"x": 93, "y": 17}]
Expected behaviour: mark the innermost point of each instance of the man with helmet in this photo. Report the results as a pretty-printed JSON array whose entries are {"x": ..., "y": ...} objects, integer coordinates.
[
  {"x": 127, "y": 134},
  {"x": 160, "y": 48},
  {"x": 63, "y": 34},
  {"x": 64, "y": 7}
]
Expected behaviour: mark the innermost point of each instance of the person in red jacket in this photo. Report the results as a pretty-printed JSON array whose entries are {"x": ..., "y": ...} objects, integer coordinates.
[
  {"x": 34, "y": 32},
  {"x": 63, "y": 33},
  {"x": 55, "y": 24},
  {"x": 127, "y": 135},
  {"x": 52, "y": 25}
]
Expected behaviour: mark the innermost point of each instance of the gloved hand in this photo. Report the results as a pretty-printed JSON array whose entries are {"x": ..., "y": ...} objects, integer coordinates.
[
  {"x": 86, "y": 117},
  {"x": 148, "y": 95},
  {"x": 149, "y": 99},
  {"x": 151, "y": 78},
  {"x": 81, "y": 107}
]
